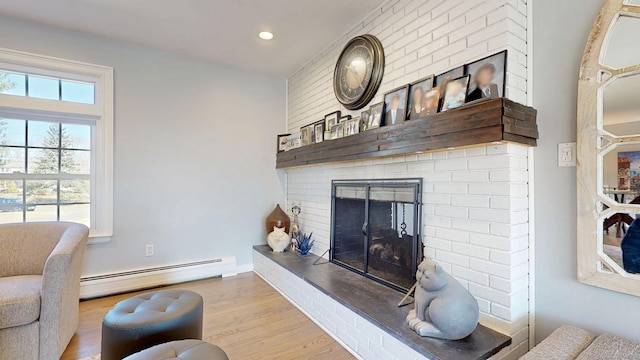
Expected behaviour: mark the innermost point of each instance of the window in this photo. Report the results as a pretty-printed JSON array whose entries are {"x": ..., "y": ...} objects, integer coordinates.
[{"x": 56, "y": 130}]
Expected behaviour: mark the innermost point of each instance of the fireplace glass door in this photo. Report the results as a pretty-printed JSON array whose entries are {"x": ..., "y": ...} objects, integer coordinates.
[{"x": 375, "y": 229}]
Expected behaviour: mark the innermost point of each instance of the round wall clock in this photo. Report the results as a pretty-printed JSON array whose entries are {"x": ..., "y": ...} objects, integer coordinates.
[{"x": 359, "y": 71}]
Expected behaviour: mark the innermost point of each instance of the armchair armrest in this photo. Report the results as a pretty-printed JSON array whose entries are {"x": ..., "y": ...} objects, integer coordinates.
[{"x": 59, "y": 313}]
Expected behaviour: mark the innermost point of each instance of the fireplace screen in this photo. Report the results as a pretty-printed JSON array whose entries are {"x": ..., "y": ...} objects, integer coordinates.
[{"x": 375, "y": 229}]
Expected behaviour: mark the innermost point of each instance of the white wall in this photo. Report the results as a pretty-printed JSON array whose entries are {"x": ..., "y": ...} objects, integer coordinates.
[
  {"x": 560, "y": 30},
  {"x": 194, "y": 150}
]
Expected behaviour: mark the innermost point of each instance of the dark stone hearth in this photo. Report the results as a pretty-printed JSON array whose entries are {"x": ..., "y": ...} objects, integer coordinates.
[{"x": 378, "y": 304}]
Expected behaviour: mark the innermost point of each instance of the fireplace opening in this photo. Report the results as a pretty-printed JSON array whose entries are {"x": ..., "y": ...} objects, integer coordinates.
[{"x": 375, "y": 229}]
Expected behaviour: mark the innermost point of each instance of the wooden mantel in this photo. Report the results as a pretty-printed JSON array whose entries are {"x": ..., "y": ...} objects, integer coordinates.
[{"x": 480, "y": 123}]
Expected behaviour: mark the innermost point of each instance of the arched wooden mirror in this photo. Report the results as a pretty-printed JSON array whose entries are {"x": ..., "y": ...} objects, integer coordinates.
[{"x": 608, "y": 172}]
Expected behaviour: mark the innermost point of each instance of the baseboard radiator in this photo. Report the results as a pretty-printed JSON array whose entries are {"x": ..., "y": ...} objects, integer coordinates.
[{"x": 115, "y": 283}]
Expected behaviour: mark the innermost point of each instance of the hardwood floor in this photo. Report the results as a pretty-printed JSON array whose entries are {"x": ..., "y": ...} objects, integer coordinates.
[{"x": 243, "y": 315}]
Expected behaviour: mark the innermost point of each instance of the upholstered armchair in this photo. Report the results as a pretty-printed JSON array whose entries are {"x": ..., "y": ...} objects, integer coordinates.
[{"x": 40, "y": 266}]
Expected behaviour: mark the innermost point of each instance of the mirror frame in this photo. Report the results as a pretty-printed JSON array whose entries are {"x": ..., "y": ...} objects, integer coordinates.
[{"x": 594, "y": 266}]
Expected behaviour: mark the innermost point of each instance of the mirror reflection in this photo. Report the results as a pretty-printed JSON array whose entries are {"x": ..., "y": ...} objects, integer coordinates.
[
  {"x": 624, "y": 251},
  {"x": 620, "y": 51},
  {"x": 621, "y": 109},
  {"x": 621, "y": 231},
  {"x": 634, "y": 2}
]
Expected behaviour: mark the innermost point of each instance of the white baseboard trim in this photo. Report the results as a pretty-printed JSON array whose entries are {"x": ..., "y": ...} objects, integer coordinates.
[{"x": 108, "y": 284}]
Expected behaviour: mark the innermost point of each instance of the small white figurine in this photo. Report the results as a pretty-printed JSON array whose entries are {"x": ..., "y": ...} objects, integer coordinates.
[{"x": 278, "y": 239}]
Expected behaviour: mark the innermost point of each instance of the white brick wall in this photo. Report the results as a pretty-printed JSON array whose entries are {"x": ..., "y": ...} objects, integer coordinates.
[
  {"x": 475, "y": 212},
  {"x": 476, "y": 227},
  {"x": 420, "y": 38}
]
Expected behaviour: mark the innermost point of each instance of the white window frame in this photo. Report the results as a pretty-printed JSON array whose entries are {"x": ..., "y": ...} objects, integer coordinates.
[{"x": 99, "y": 114}]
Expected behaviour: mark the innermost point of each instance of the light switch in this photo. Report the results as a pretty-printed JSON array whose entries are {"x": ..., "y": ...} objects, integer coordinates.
[{"x": 567, "y": 154}]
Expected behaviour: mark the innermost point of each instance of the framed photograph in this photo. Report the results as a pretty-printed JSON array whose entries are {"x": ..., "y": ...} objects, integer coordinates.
[
  {"x": 352, "y": 127},
  {"x": 450, "y": 75},
  {"x": 455, "y": 93},
  {"x": 318, "y": 132},
  {"x": 375, "y": 116},
  {"x": 364, "y": 120},
  {"x": 282, "y": 142},
  {"x": 395, "y": 106},
  {"x": 293, "y": 142},
  {"x": 487, "y": 77},
  {"x": 345, "y": 118},
  {"x": 306, "y": 135},
  {"x": 431, "y": 102},
  {"x": 417, "y": 98},
  {"x": 331, "y": 119},
  {"x": 334, "y": 132},
  {"x": 340, "y": 130}
]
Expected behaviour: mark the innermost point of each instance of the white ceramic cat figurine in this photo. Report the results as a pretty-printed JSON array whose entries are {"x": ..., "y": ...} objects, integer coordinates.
[
  {"x": 278, "y": 240},
  {"x": 444, "y": 308}
]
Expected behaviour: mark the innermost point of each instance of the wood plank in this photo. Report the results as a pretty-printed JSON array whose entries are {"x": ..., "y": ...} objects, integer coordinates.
[
  {"x": 468, "y": 125},
  {"x": 519, "y": 139},
  {"x": 516, "y": 130},
  {"x": 243, "y": 315}
]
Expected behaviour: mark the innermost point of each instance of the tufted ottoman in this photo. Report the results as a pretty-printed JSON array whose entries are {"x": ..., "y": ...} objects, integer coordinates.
[
  {"x": 182, "y": 349},
  {"x": 150, "y": 319}
]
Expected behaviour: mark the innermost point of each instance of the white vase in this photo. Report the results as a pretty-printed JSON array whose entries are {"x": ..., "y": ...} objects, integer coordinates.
[{"x": 278, "y": 240}]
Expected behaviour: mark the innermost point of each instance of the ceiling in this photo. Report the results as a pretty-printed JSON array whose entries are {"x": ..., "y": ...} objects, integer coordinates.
[{"x": 215, "y": 30}]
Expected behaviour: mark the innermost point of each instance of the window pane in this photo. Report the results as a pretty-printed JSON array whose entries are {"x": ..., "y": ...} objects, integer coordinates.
[
  {"x": 42, "y": 192},
  {"x": 11, "y": 160},
  {"x": 10, "y": 201},
  {"x": 12, "y": 132},
  {"x": 74, "y": 191},
  {"x": 76, "y": 162},
  {"x": 78, "y": 92},
  {"x": 13, "y": 84},
  {"x": 79, "y": 136},
  {"x": 44, "y": 134},
  {"x": 76, "y": 213},
  {"x": 42, "y": 161},
  {"x": 42, "y": 213},
  {"x": 43, "y": 88}
]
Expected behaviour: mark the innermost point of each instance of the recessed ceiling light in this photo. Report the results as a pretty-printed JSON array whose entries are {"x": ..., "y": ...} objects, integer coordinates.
[{"x": 266, "y": 35}]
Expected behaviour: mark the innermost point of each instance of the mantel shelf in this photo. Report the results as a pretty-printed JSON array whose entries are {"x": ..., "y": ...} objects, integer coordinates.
[{"x": 495, "y": 120}]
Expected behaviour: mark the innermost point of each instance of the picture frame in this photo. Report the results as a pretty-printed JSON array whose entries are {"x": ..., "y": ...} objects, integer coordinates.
[
  {"x": 293, "y": 142},
  {"x": 432, "y": 101},
  {"x": 352, "y": 126},
  {"x": 306, "y": 135},
  {"x": 345, "y": 118},
  {"x": 331, "y": 119},
  {"x": 395, "y": 106},
  {"x": 455, "y": 93},
  {"x": 340, "y": 130},
  {"x": 375, "y": 117},
  {"x": 450, "y": 75},
  {"x": 417, "y": 98},
  {"x": 488, "y": 77},
  {"x": 282, "y": 142},
  {"x": 364, "y": 120},
  {"x": 318, "y": 132},
  {"x": 334, "y": 132}
]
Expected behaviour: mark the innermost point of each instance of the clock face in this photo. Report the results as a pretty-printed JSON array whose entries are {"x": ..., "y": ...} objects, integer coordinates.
[{"x": 358, "y": 72}]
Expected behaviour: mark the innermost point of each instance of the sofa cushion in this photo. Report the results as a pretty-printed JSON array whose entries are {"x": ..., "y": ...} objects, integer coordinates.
[
  {"x": 565, "y": 343},
  {"x": 19, "y": 300},
  {"x": 611, "y": 347}
]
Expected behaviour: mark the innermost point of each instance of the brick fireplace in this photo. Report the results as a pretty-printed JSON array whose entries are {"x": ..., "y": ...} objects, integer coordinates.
[
  {"x": 475, "y": 218},
  {"x": 475, "y": 199}
]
